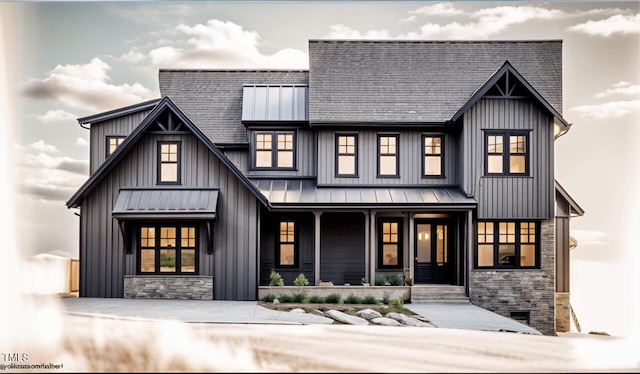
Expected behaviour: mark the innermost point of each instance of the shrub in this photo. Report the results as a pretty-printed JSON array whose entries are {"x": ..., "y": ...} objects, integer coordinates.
[
  {"x": 369, "y": 299},
  {"x": 397, "y": 303},
  {"x": 316, "y": 299},
  {"x": 409, "y": 282},
  {"x": 352, "y": 299},
  {"x": 380, "y": 280},
  {"x": 385, "y": 299},
  {"x": 395, "y": 280},
  {"x": 299, "y": 297},
  {"x": 333, "y": 298},
  {"x": 301, "y": 281},
  {"x": 275, "y": 280},
  {"x": 285, "y": 298},
  {"x": 268, "y": 298}
]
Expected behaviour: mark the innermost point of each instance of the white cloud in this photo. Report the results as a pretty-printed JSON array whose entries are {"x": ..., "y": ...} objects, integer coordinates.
[
  {"x": 344, "y": 32},
  {"x": 41, "y": 146},
  {"x": 219, "y": 44},
  {"x": 133, "y": 56},
  {"x": 610, "y": 109},
  {"x": 409, "y": 19},
  {"x": 588, "y": 237},
  {"x": 86, "y": 87},
  {"x": 617, "y": 24},
  {"x": 620, "y": 88},
  {"x": 82, "y": 142},
  {"x": 52, "y": 179},
  {"x": 57, "y": 115},
  {"x": 439, "y": 9},
  {"x": 61, "y": 163}
]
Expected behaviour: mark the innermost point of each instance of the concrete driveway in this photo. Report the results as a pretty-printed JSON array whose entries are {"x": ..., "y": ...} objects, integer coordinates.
[{"x": 443, "y": 315}]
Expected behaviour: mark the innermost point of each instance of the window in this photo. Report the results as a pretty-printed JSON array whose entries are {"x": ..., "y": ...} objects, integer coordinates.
[
  {"x": 510, "y": 158},
  {"x": 432, "y": 162},
  {"x": 390, "y": 243},
  {"x": 169, "y": 162},
  {"x": 113, "y": 142},
  {"x": 274, "y": 149},
  {"x": 286, "y": 248},
  {"x": 507, "y": 245},
  {"x": 167, "y": 249},
  {"x": 347, "y": 155},
  {"x": 388, "y": 156}
]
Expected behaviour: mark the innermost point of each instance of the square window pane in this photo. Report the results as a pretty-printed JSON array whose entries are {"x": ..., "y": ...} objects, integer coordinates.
[
  {"x": 507, "y": 255},
  {"x": 494, "y": 164},
  {"x": 517, "y": 164},
  {"x": 386, "y": 238},
  {"x": 387, "y": 165},
  {"x": 188, "y": 261},
  {"x": 287, "y": 254},
  {"x": 528, "y": 255},
  {"x": 167, "y": 260},
  {"x": 263, "y": 159},
  {"x": 432, "y": 165},
  {"x": 485, "y": 255},
  {"x": 169, "y": 173},
  {"x": 390, "y": 254},
  {"x": 347, "y": 165},
  {"x": 147, "y": 261},
  {"x": 285, "y": 159}
]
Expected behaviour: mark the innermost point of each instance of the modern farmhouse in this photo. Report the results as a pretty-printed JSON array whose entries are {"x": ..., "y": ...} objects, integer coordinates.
[{"x": 433, "y": 160}]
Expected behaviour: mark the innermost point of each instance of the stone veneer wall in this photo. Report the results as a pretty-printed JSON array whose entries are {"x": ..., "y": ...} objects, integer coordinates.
[
  {"x": 563, "y": 314},
  {"x": 502, "y": 291},
  {"x": 168, "y": 287}
]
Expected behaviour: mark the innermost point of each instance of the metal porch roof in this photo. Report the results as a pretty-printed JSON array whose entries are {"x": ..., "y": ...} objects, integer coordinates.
[
  {"x": 303, "y": 193},
  {"x": 166, "y": 203}
]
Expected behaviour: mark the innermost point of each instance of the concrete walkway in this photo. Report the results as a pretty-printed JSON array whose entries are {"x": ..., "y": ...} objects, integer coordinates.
[{"x": 444, "y": 315}]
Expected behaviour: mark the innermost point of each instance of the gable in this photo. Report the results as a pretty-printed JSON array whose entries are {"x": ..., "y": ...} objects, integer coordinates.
[
  {"x": 168, "y": 119},
  {"x": 419, "y": 81}
]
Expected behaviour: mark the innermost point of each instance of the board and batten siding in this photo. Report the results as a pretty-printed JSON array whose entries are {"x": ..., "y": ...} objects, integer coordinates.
[
  {"x": 411, "y": 153},
  {"x": 120, "y": 126},
  {"x": 233, "y": 262},
  {"x": 510, "y": 197}
]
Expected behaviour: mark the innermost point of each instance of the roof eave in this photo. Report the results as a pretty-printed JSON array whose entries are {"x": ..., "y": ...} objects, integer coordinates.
[
  {"x": 575, "y": 208},
  {"x": 94, "y": 118}
]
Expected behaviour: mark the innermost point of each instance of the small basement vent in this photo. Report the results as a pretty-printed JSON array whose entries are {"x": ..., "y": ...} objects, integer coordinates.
[{"x": 523, "y": 316}]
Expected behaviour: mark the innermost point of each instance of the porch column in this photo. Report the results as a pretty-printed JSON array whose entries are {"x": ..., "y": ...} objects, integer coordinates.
[
  {"x": 372, "y": 247},
  {"x": 367, "y": 254},
  {"x": 316, "y": 262},
  {"x": 412, "y": 249}
]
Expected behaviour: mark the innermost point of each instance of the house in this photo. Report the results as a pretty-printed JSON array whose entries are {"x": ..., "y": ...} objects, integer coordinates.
[{"x": 430, "y": 159}]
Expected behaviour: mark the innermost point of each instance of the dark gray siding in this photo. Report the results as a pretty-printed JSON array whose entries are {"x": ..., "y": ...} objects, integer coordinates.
[
  {"x": 233, "y": 263},
  {"x": 509, "y": 197},
  {"x": 305, "y": 158},
  {"x": 342, "y": 247},
  {"x": 121, "y": 126},
  {"x": 305, "y": 240},
  {"x": 410, "y": 163}
]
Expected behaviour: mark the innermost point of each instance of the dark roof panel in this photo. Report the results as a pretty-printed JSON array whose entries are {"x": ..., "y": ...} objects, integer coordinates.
[
  {"x": 286, "y": 193},
  {"x": 419, "y": 81},
  {"x": 166, "y": 203}
]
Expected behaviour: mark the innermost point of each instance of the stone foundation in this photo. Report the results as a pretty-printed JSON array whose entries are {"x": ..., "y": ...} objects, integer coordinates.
[
  {"x": 505, "y": 291},
  {"x": 168, "y": 287},
  {"x": 563, "y": 314}
]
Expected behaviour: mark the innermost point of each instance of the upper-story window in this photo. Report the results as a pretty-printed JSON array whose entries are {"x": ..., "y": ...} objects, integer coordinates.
[
  {"x": 433, "y": 156},
  {"x": 507, "y": 244},
  {"x": 274, "y": 150},
  {"x": 507, "y": 153},
  {"x": 169, "y": 162},
  {"x": 388, "y": 156},
  {"x": 113, "y": 142},
  {"x": 347, "y": 155}
]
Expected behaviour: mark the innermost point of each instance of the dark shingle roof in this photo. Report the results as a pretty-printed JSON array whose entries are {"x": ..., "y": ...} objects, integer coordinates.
[
  {"x": 213, "y": 98},
  {"x": 419, "y": 81}
]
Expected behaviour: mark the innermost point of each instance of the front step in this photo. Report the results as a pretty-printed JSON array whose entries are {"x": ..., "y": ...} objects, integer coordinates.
[{"x": 438, "y": 293}]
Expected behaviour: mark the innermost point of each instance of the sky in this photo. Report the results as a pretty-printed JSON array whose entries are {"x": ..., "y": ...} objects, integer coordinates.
[{"x": 74, "y": 59}]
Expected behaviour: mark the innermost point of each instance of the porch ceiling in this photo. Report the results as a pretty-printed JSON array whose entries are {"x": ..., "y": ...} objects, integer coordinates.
[{"x": 305, "y": 193}]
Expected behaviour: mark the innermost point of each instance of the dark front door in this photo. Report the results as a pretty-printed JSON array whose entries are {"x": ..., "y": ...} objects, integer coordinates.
[{"x": 432, "y": 252}]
